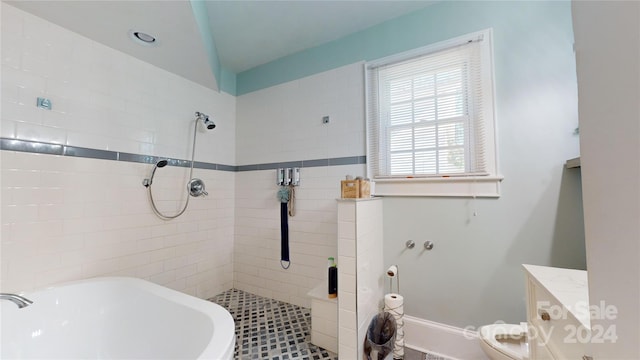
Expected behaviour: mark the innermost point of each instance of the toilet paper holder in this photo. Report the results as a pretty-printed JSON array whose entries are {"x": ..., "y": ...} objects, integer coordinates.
[{"x": 392, "y": 272}]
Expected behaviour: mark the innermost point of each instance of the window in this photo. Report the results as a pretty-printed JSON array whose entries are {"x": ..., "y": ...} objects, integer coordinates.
[{"x": 430, "y": 123}]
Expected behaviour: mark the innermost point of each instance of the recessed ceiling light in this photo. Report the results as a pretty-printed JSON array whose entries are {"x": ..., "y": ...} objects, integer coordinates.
[{"x": 143, "y": 38}]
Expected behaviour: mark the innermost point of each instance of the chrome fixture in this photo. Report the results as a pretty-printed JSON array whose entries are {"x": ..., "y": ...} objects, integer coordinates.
[
  {"x": 195, "y": 187},
  {"x": 21, "y": 301},
  {"x": 410, "y": 244},
  {"x": 205, "y": 120},
  {"x": 160, "y": 164},
  {"x": 288, "y": 176}
]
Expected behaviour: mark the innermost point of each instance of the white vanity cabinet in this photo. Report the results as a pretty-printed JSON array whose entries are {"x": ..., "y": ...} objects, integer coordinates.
[{"x": 557, "y": 313}]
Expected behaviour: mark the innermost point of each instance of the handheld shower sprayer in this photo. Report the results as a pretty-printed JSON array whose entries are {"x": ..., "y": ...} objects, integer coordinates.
[{"x": 160, "y": 164}]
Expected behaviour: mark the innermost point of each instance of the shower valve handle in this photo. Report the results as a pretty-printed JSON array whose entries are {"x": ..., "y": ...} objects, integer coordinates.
[{"x": 196, "y": 188}]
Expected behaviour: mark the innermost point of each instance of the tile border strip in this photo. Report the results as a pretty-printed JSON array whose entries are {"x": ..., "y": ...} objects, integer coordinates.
[{"x": 67, "y": 150}]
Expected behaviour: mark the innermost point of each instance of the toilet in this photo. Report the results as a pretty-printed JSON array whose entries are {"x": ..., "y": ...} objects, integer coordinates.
[{"x": 504, "y": 341}]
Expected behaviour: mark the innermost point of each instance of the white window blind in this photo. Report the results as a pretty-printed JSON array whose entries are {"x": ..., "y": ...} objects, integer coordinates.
[{"x": 425, "y": 115}]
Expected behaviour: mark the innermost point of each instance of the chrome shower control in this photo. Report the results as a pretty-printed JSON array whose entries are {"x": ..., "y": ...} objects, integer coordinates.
[
  {"x": 428, "y": 245},
  {"x": 196, "y": 188},
  {"x": 410, "y": 244}
]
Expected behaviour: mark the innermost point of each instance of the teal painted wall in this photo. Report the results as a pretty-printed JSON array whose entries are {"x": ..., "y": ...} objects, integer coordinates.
[
  {"x": 225, "y": 79},
  {"x": 435, "y": 23},
  {"x": 474, "y": 276}
]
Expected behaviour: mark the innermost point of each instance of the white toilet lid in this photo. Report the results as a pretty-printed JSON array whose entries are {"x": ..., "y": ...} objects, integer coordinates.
[{"x": 489, "y": 333}]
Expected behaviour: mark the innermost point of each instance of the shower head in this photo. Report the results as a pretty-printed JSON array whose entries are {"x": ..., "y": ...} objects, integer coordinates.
[
  {"x": 208, "y": 123},
  {"x": 161, "y": 163}
]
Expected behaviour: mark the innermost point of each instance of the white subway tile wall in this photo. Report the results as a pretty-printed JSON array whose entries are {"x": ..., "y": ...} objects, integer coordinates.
[
  {"x": 360, "y": 288},
  {"x": 66, "y": 218},
  {"x": 284, "y": 122},
  {"x": 312, "y": 232},
  {"x": 347, "y": 314},
  {"x": 102, "y": 98},
  {"x": 324, "y": 324},
  {"x": 370, "y": 272},
  {"x": 71, "y": 218}
]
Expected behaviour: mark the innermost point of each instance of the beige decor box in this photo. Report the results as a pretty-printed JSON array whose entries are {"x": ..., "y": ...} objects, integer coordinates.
[{"x": 355, "y": 189}]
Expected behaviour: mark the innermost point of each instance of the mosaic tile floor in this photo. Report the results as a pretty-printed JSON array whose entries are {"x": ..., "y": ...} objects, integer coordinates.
[
  {"x": 275, "y": 330},
  {"x": 270, "y": 329}
]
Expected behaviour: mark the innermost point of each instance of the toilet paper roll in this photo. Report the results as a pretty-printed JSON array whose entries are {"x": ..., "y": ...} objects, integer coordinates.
[
  {"x": 394, "y": 304},
  {"x": 392, "y": 271},
  {"x": 393, "y": 301}
]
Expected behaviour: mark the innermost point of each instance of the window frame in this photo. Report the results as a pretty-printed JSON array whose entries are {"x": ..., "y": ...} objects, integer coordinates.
[{"x": 453, "y": 185}]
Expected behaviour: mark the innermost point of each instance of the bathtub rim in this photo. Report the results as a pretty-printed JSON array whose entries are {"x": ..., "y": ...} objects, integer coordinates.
[{"x": 220, "y": 317}]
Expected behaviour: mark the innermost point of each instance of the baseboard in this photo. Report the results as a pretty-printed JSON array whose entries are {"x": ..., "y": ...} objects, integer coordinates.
[{"x": 443, "y": 340}]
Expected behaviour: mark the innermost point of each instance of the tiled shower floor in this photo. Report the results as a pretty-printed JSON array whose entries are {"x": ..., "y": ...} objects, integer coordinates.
[
  {"x": 275, "y": 330},
  {"x": 270, "y": 329}
]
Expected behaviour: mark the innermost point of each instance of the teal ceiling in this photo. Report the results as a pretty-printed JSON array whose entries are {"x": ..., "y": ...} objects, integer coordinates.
[{"x": 252, "y": 33}]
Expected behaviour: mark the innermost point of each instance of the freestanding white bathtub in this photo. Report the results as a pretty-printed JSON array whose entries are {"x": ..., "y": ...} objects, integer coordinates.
[{"x": 115, "y": 318}]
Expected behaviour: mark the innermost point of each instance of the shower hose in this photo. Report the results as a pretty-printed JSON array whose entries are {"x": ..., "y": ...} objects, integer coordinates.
[{"x": 153, "y": 204}]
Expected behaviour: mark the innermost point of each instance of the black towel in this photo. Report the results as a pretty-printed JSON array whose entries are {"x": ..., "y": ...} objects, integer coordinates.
[{"x": 284, "y": 232}]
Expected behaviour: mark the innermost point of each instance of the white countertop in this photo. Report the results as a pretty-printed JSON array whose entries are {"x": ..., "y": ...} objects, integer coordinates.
[{"x": 569, "y": 286}]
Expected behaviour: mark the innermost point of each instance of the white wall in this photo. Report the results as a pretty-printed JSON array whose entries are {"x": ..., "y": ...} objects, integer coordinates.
[
  {"x": 360, "y": 284},
  {"x": 608, "y": 59},
  {"x": 102, "y": 98},
  {"x": 348, "y": 344},
  {"x": 66, "y": 218},
  {"x": 370, "y": 274},
  {"x": 284, "y": 123}
]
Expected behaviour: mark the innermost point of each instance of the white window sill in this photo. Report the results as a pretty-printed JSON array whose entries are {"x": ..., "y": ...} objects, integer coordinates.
[{"x": 478, "y": 186}]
